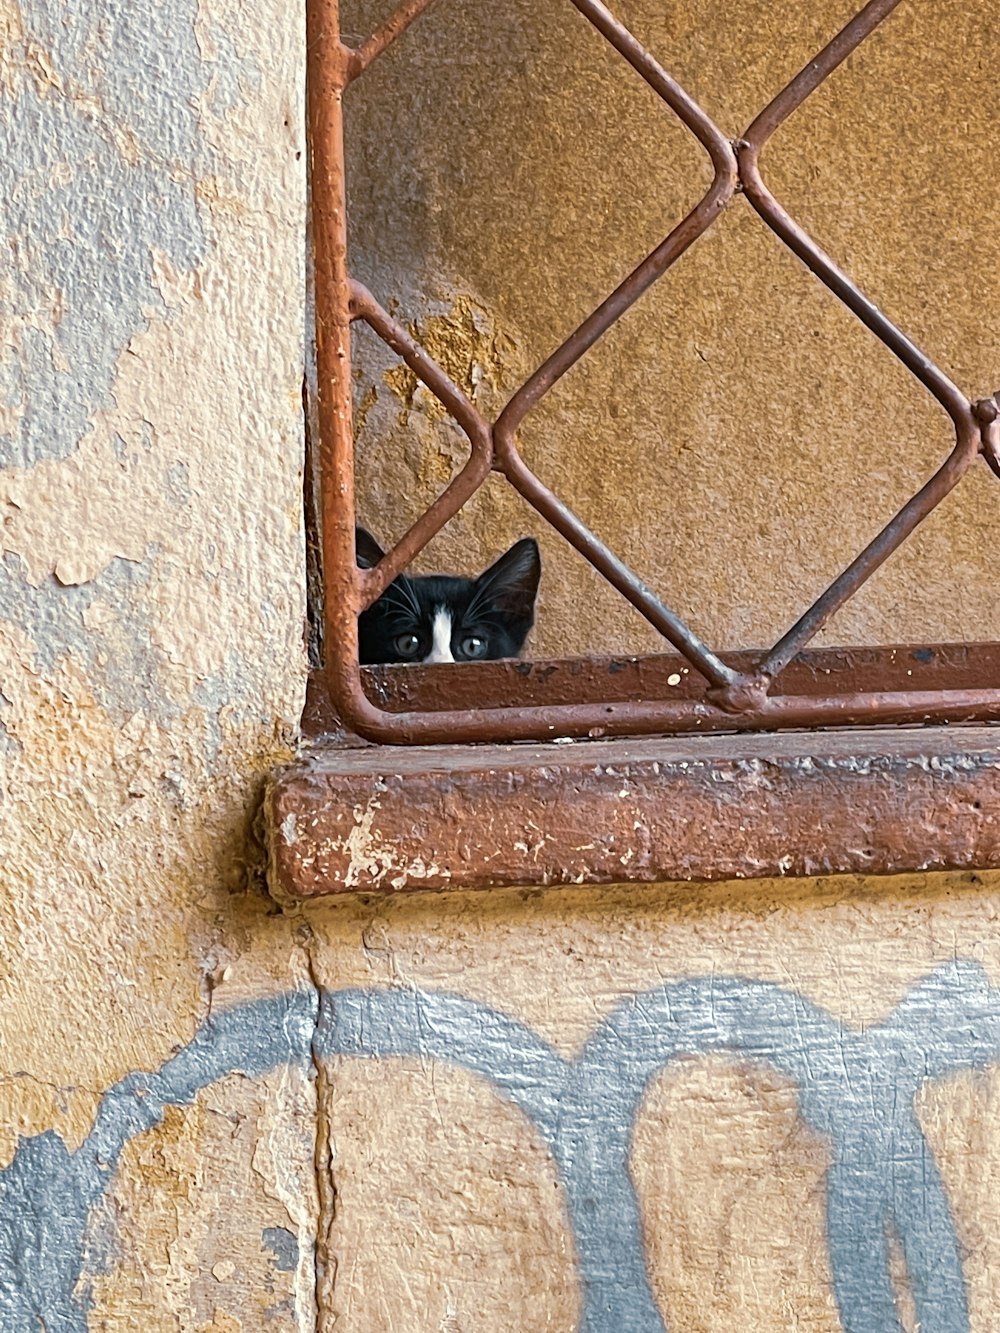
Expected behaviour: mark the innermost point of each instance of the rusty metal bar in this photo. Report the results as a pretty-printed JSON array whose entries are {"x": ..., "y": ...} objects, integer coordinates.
[
  {"x": 875, "y": 553},
  {"x": 596, "y": 721},
  {"x": 736, "y": 697},
  {"x": 618, "y": 574},
  {"x": 547, "y": 683},
  {"x": 968, "y": 442},
  {"x": 832, "y": 803},
  {"x": 987, "y": 412},
  {"x": 818, "y": 69},
  {"x": 749, "y": 149},
  {"x": 462, "y": 487},
  {"x": 656, "y": 263},
  {"x": 383, "y": 38},
  {"x": 931, "y": 376},
  {"x": 328, "y": 73},
  {"x": 694, "y": 225}
]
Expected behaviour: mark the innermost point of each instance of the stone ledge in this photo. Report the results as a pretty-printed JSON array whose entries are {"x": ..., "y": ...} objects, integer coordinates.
[{"x": 402, "y": 819}]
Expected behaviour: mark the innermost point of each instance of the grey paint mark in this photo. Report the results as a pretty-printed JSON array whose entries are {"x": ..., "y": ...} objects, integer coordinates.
[
  {"x": 284, "y": 1246},
  {"x": 47, "y": 1194},
  {"x": 94, "y": 174},
  {"x": 177, "y": 481},
  {"x": 122, "y": 667},
  {"x": 284, "y": 1310},
  {"x": 856, "y": 1089}
]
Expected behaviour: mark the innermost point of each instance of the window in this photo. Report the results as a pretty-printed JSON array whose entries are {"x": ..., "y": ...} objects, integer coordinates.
[{"x": 874, "y": 783}]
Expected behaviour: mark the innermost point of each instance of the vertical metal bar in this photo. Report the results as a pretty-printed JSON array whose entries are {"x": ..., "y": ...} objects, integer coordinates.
[{"x": 328, "y": 66}]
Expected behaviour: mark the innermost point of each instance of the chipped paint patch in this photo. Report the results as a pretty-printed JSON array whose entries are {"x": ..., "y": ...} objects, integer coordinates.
[
  {"x": 368, "y": 858},
  {"x": 468, "y": 346}
]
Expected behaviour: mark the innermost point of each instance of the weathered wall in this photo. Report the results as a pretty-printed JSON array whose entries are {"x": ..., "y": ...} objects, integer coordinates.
[
  {"x": 699, "y": 1109},
  {"x": 151, "y": 658},
  {"x": 739, "y": 436},
  {"x": 767, "y": 1106}
]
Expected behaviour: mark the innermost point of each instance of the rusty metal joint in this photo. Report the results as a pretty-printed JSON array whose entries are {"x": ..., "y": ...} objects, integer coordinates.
[
  {"x": 741, "y": 147},
  {"x": 382, "y": 38},
  {"x": 744, "y": 694},
  {"x": 342, "y": 67},
  {"x": 985, "y": 411},
  {"x": 987, "y": 415}
]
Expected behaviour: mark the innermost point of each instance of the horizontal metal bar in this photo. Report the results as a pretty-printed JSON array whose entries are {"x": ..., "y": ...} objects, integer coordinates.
[
  {"x": 774, "y": 713},
  {"x": 663, "y": 676}
]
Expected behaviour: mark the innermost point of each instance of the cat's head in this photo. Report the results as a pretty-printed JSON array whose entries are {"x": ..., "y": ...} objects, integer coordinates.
[{"x": 440, "y": 618}]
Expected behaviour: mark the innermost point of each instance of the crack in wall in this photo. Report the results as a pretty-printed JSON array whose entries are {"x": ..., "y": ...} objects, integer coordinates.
[
  {"x": 857, "y": 1089},
  {"x": 325, "y": 1259}
]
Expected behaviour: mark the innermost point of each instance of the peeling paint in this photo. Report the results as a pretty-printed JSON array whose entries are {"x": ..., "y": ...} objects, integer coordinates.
[
  {"x": 467, "y": 346},
  {"x": 151, "y": 608},
  {"x": 94, "y": 97},
  {"x": 370, "y": 857}
]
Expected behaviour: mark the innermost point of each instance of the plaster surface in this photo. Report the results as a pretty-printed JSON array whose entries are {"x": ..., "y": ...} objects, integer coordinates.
[
  {"x": 151, "y": 611},
  {"x": 666, "y": 1107}
]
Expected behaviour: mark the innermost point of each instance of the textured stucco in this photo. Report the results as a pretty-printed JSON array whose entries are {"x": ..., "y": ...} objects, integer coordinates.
[
  {"x": 151, "y": 606},
  {"x": 739, "y": 437},
  {"x": 682, "y": 1106},
  {"x": 221, "y": 1182},
  {"x": 771, "y": 1106}
]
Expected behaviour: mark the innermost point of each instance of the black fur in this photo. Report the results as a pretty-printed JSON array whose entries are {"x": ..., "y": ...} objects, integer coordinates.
[{"x": 490, "y": 615}]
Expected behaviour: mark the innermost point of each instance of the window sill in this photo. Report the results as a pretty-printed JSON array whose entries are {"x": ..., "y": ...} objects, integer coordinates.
[{"x": 349, "y": 818}]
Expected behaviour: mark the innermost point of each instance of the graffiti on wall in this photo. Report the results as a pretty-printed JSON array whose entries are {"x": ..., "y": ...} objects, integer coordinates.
[{"x": 856, "y": 1089}]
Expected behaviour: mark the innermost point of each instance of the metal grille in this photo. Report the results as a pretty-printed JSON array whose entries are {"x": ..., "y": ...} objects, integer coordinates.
[{"x": 747, "y": 697}]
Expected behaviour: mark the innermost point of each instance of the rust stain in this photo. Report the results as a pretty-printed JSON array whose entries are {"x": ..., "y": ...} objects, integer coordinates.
[{"x": 362, "y": 409}]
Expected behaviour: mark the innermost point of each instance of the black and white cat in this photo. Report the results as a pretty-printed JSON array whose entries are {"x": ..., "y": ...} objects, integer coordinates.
[{"x": 440, "y": 618}]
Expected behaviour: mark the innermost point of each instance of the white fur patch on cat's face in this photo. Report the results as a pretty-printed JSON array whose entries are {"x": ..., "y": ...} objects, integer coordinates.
[{"x": 440, "y": 637}]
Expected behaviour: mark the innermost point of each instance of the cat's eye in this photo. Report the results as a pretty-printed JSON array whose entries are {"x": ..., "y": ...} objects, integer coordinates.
[
  {"x": 407, "y": 645},
  {"x": 473, "y": 646}
]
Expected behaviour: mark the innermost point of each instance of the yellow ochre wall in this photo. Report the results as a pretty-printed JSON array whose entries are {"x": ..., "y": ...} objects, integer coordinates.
[
  {"x": 740, "y": 436},
  {"x": 766, "y": 1106}
]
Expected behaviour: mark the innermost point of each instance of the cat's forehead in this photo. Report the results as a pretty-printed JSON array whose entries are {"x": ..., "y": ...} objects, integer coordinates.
[{"x": 432, "y": 591}]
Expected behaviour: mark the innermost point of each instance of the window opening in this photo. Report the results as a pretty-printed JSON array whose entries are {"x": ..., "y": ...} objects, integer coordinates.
[{"x": 782, "y": 687}]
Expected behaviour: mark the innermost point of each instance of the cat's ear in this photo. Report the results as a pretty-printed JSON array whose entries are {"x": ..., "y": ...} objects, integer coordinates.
[
  {"x": 369, "y": 553},
  {"x": 511, "y": 583}
]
